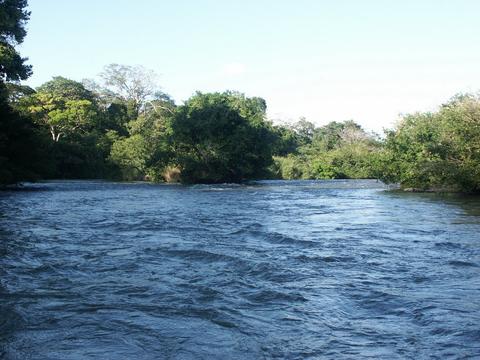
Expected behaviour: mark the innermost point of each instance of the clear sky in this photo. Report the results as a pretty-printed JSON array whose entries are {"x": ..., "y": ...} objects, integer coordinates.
[{"x": 366, "y": 60}]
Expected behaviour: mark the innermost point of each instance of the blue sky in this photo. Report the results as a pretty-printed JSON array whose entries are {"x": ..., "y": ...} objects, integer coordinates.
[{"x": 367, "y": 60}]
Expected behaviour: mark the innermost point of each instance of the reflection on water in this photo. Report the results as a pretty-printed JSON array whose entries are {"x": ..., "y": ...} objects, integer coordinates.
[{"x": 302, "y": 269}]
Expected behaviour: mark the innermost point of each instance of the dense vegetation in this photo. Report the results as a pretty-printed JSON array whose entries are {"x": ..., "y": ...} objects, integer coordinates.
[
  {"x": 125, "y": 128},
  {"x": 437, "y": 151},
  {"x": 20, "y": 143},
  {"x": 337, "y": 150}
]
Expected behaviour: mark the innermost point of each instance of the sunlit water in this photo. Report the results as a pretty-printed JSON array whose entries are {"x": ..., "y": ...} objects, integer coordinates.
[{"x": 289, "y": 270}]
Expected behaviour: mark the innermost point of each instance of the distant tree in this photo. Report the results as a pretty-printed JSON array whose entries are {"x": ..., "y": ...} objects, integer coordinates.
[
  {"x": 67, "y": 89},
  {"x": 304, "y": 130},
  {"x": 337, "y": 150},
  {"x": 329, "y": 136},
  {"x": 161, "y": 104},
  {"x": 130, "y": 84},
  {"x": 352, "y": 133},
  {"x": 286, "y": 141},
  {"x": 64, "y": 106},
  {"x": 144, "y": 152}
]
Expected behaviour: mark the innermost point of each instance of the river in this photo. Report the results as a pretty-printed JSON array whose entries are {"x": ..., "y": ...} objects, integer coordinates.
[{"x": 267, "y": 270}]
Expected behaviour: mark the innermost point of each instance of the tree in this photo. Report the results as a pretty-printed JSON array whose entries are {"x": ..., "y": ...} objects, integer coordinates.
[
  {"x": 286, "y": 141},
  {"x": 67, "y": 89},
  {"x": 22, "y": 152},
  {"x": 62, "y": 105},
  {"x": 130, "y": 84},
  {"x": 337, "y": 150},
  {"x": 438, "y": 150},
  {"x": 304, "y": 130},
  {"x": 13, "y": 18},
  {"x": 15, "y": 92},
  {"x": 352, "y": 133},
  {"x": 21, "y": 148},
  {"x": 143, "y": 151},
  {"x": 221, "y": 137},
  {"x": 329, "y": 136},
  {"x": 131, "y": 155}
]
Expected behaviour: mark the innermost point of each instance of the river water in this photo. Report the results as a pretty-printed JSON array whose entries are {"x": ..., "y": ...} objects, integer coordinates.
[{"x": 287, "y": 270}]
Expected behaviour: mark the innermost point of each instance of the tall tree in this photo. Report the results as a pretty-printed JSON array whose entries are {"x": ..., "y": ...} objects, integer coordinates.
[
  {"x": 131, "y": 84},
  {"x": 62, "y": 105},
  {"x": 20, "y": 144}
]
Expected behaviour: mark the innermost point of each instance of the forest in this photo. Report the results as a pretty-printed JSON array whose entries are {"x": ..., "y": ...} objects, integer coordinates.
[{"x": 124, "y": 127}]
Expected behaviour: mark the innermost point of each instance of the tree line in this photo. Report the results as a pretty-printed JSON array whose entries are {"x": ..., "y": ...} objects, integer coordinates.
[{"x": 124, "y": 127}]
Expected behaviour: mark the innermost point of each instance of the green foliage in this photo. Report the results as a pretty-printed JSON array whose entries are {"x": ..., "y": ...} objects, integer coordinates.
[
  {"x": 288, "y": 167},
  {"x": 334, "y": 151},
  {"x": 438, "y": 150},
  {"x": 304, "y": 131},
  {"x": 115, "y": 118},
  {"x": 63, "y": 106},
  {"x": 16, "y": 91},
  {"x": 130, "y": 129},
  {"x": 221, "y": 137},
  {"x": 336, "y": 134},
  {"x": 13, "y": 18},
  {"x": 12, "y": 67},
  {"x": 286, "y": 141},
  {"x": 69, "y": 114},
  {"x": 79, "y": 158},
  {"x": 131, "y": 155},
  {"x": 145, "y": 152},
  {"x": 67, "y": 89},
  {"x": 21, "y": 148}
]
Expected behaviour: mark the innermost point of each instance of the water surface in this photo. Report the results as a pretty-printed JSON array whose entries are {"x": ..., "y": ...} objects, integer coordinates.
[{"x": 295, "y": 270}]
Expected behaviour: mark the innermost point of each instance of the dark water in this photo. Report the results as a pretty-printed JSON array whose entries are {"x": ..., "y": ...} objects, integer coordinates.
[{"x": 297, "y": 270}]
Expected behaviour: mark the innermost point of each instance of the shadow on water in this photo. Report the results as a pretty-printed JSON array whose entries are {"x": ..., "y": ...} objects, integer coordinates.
[{"x": 469, "y": 203}]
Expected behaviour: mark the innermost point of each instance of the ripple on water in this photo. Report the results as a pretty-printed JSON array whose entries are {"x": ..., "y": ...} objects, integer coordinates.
[{"x": 303, "y": 269}]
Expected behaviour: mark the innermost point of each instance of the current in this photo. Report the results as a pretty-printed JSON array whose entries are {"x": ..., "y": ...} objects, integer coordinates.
[{"x": 342, "y": 269}]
